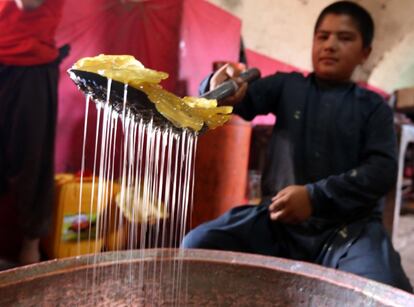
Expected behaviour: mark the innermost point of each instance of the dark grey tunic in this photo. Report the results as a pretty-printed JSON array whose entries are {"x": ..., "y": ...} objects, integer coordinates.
[{"x": 338, "y": 140}]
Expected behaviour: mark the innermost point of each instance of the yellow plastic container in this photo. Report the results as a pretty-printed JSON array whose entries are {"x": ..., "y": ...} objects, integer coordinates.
[{"x": 72, "y": 233}]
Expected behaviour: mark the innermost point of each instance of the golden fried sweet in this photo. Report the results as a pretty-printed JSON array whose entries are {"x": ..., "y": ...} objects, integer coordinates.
[{"x": 187, "y": 112}]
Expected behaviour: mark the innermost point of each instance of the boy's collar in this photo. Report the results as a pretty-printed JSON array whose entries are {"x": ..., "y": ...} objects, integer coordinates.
[{"x": 329, "y": 84}]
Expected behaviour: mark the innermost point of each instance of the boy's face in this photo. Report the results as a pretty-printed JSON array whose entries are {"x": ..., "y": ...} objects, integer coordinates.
[{"x": 337, "y": 48}]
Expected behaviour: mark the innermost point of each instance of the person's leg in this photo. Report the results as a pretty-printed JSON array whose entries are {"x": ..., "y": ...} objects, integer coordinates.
[
  {"x": 372, "y": 256},
  {"x": 29, "y": 152},
  {"x": 242, "y": 229}
]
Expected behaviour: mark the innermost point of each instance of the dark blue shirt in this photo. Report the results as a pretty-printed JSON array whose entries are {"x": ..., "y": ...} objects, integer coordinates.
[{"x": 337, "y": 139}]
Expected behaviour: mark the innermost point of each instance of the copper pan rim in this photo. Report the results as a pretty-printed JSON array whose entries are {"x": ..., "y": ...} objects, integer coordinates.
[{"x": 376, "y": 291}]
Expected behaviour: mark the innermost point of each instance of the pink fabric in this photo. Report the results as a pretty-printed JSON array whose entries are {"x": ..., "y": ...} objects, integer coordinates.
[
  {"x": 204, "y": 40},
  {"x": 180, "y": 37},
  {"x": 268, "y": 65}
]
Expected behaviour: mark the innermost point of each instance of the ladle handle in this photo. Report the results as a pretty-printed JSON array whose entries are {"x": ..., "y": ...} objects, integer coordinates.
[{"x": 229, "y": 87}]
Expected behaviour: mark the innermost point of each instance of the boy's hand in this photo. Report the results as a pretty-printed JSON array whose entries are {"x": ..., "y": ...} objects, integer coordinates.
[
  {"x": 291, "y": 205},
  {"x": 229, "y": 71}
]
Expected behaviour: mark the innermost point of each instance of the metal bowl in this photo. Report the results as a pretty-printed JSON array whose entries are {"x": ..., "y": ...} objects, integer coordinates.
[{"x": 175, "y": 277}]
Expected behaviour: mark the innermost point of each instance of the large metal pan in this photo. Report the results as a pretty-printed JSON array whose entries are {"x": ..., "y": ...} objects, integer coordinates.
[{"x": 173, "y": 277}]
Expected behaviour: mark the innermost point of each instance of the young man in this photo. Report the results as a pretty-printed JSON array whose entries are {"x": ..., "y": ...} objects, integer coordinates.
[{"x": 331, "y": 158}]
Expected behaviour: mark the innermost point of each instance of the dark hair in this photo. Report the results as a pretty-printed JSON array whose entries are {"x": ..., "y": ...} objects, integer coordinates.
[{"x": 361, "y": 17}]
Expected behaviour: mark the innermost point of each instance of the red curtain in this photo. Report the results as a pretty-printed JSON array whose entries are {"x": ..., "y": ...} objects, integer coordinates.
[{"x": 208, "y": 34}]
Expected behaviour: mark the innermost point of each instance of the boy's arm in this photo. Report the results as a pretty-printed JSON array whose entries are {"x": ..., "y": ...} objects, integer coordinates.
[
  {"x": 358, "y": 190},
  {"x": 262, "y": 97}
]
